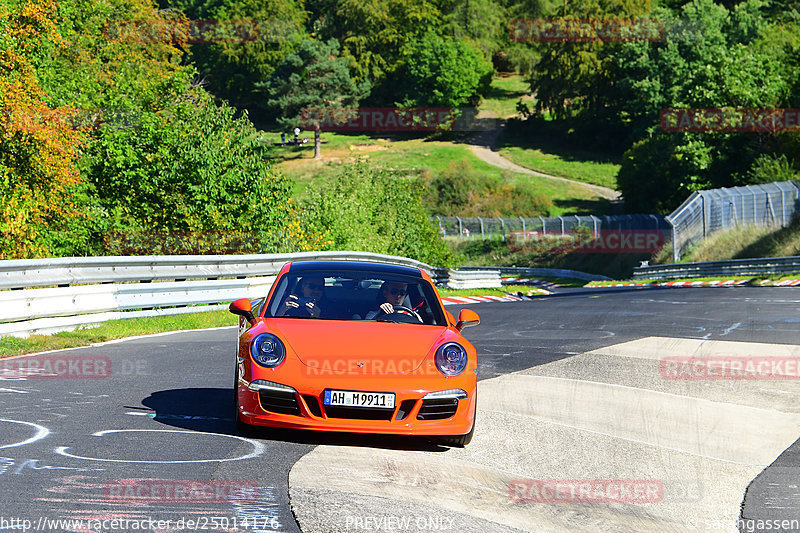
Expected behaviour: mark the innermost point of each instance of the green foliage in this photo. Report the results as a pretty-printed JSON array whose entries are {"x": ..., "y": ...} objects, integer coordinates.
[
  {"x": 193, "y": 168},
  {"x": 483, "y": 24},
  {"x": 311, "y": 86},
  {"x": 651, "y": 178},
  {"x": 709, "y": 56},
  {"x": 373, "y": 35},
  {"x": 367, "y": 209},
  {"x": 129, "y": 148},
  {"x": 768, "y": 168},
  {"x": 442, "y": 72},
  {"x": 263, "y": 34},
  {"x": 460, "y": 191}
]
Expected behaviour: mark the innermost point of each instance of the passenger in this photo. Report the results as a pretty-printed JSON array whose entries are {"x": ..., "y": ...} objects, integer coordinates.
[{"x": 312, "y": 290}]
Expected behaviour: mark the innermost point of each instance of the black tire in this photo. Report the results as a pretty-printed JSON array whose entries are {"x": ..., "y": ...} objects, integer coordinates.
[
  {"x": 241, "y": 427},
  {"x": 459, "y": 441}
]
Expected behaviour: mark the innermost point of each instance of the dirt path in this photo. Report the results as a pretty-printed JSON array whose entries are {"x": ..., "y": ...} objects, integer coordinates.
[{"x": 483, "y": 147}]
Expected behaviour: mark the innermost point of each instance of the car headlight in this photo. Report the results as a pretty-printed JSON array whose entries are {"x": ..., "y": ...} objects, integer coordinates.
[
  {"x": 267, "y": 350},
  {"x": 451, "y": 359}
]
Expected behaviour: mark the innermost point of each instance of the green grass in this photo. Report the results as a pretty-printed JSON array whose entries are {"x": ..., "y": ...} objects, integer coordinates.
[
  {"x": 603, "y": 174},
  {"x": 416, "y": 155},
  {"x": 115, "y": 329},
  {"x": 503, "y": 96}
]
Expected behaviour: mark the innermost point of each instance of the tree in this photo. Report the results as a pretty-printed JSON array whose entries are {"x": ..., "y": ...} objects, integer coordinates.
[
  {"x": 442, "y": 72},
  {"x": 196, "y": 170},
  {"x": 39, "y": 181},
  {"x": 259, "y": 35},
  {"x": 373, "y": 35},
  {"x": 312, "y": 85}
]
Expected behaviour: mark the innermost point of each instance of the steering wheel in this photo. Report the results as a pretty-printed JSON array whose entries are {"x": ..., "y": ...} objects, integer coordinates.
[{"x": 400, "y": 309}]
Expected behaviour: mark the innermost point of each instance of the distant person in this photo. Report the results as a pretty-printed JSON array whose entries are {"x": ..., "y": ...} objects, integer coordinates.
[
  {"x": 297, "y": 135},
  {"x": 283, "y": 138}
]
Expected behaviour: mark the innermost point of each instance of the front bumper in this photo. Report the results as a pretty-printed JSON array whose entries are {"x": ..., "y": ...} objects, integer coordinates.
[{"x": 413, "y": 414}]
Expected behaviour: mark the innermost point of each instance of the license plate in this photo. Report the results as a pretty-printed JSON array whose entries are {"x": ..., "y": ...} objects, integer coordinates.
[{"x": 346, "y": 398}]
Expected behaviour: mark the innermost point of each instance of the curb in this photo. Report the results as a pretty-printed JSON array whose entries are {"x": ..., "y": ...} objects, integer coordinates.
[
  {"x": 460, "y": 300},
  {"x": 712, "y": 283}
]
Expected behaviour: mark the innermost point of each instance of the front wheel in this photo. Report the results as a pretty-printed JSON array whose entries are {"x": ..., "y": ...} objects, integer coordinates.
[
  {"x": 241, "y": 427},
  {"x": 459, "y": 441}
]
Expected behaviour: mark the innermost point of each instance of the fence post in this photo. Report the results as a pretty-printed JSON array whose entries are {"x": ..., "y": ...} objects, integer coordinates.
[
  {"x": 460, "y": 230},
  {"x": 783, "y": 208},
  {"x": 502, "y": 228},
  {"x": 524, "y": 236},
  {"x": 675, "y": 255},
  {"x": 483, "y": 238},
  {"x": 544, "y": 226},
  {"x": 771, "y": 211},
  {"x": 562, "y": 225}
]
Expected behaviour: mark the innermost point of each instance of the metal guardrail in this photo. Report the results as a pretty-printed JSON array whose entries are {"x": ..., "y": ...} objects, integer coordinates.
[
  {"x": 729, "y": 267},
  {"x": 544, "y": 273},
  {"x": 82, "y": 291},
  {"x": 65, "y": 271}
]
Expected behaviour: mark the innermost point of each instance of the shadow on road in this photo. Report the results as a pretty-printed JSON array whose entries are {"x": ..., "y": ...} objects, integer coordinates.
[{"x": 211, "y": 410}]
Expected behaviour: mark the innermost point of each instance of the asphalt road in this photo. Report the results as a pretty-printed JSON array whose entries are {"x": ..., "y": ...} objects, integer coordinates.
[{"x": 151, "y": 417}]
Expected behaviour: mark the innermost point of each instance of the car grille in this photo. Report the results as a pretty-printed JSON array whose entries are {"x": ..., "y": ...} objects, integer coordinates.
[
  {"x": 405, "y": 409},
  {"x": 313, "y": 405},
  {"x": 283, "y": 402},
  {"x": 359, "y": 414},
  {"x": 437, "y": 409}
]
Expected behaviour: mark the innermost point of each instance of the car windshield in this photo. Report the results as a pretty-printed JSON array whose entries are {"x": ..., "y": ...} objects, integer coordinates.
[{"x": 356, "y": 295}]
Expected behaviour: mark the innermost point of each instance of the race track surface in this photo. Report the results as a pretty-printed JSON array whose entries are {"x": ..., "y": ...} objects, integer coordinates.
[{"x": 591, "y": 417}]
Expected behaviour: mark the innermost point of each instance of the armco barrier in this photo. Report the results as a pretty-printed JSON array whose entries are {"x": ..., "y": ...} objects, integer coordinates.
[
  {"x": 731, "y": 267},
  {"x": 527, "y": 272},
  {"x": 48, "y": 295}
]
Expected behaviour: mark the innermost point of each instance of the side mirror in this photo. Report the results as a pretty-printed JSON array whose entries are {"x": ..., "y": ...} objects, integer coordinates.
[
  {"x": 242, "y": 307},
  {"x": 467, "y": 318}
]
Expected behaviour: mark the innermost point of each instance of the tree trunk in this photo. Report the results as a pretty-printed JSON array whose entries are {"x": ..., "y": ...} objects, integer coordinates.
[{"x": 317, "y": 150}]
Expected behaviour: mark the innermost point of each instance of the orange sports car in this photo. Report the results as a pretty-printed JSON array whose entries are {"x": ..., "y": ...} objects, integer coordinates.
[{"x": 357, "y": 347}]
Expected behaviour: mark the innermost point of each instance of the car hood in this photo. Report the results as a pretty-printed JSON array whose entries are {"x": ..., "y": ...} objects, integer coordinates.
[{"x": 341, "y": 346}]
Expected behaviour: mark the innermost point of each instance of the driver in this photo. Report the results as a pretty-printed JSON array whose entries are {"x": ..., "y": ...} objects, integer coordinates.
[
  {"x": 312, "y": 289},
  {"x": 393, "y": 293}
]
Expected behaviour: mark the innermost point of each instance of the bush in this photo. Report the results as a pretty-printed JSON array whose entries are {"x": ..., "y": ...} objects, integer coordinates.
[
  {"x": 193, "y": 169},
  {"x": 366, "y": 209},
  {"x": 460, "y": 191}
]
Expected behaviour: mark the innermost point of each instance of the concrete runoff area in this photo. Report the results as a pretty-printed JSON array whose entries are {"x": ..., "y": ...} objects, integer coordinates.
[{"x": 545, "y": 434}]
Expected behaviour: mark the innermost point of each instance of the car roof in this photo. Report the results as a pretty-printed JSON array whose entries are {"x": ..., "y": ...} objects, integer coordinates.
[{"x": 382, "y": 268}]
